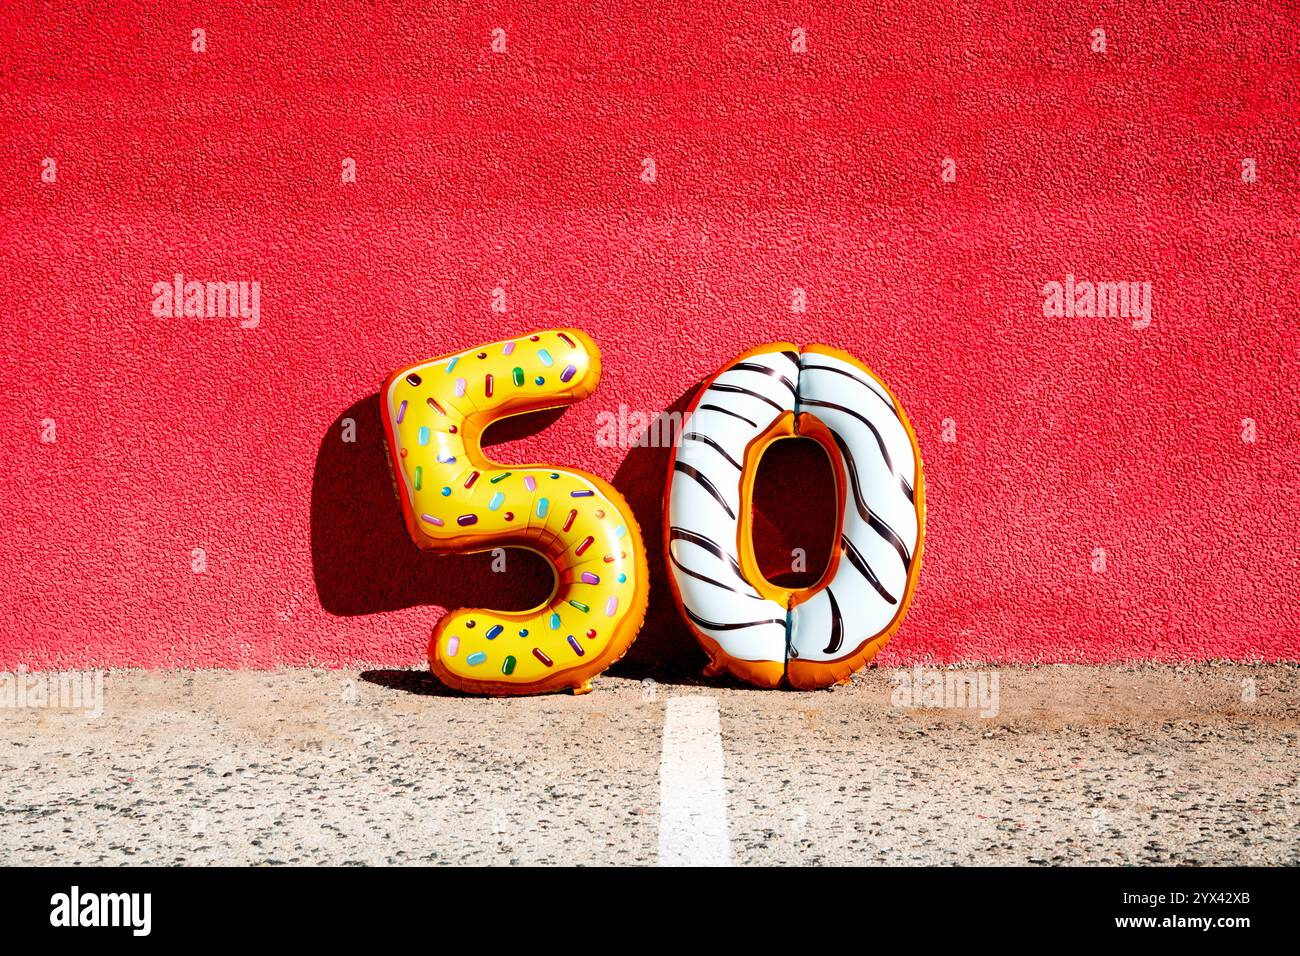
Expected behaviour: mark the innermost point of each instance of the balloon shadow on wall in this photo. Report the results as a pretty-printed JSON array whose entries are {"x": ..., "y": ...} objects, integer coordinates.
[
  {"x": 665, "y": 650},
  {"x": 363, "y": 560}
]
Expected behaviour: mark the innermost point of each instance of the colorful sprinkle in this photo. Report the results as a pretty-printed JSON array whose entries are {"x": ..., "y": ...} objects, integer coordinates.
[
  {"x": 452, "y": 364},
  {"x": 465, "y": 520},
  {"x": 622, "y": 578},
  {"x": 600, "y": 513},
  {"x": 436, "y": 522},
  {"x": 620, "y": 531},
  {"x": 537, "y": 653},
  {"x": 419, "y": 476},
  {"x": 401, "y": 412},
  {"x": 591, "y": 633},
  {"x": 554, "y": 622},
  {"x": 533, "y": 338},
  {"x": 460, "y": 387},
  {"x": 611, "y": 558},
  {"x": 445, "y": 459},
  {"x": 523, "y": 632},
  {"x": 586, "y": 543},
  {"x": 413, "y": 379},
  {"x": 545, "y": 357},
  {"x": 568, "y": 341},
  {"x": 501, "y": 477},
  {"x": 487, "y": 386},
  {"x": 422, "y": 436},
  {"x": 580, "y": 606},
  {"x": 577, "y": 648},
  {"x": 508, "y": 665},
  {"x": 568, "y": 522},
  {"x": 540, "y": 380},
  {"x": 611, "y": 606},
  {"x": 473, "y": 477},
  {"x": 554, "y": 475},
  {"x": 453, "y": 645},
  {"x": 568, "y": 373},
  {"x": 581, "y": 494},
  {"x": 530, "y": 482},
  {"x": 542, "y": 505},
  {"x": 518, "y": 376},
  {"x": 482, "y": 355},
  {"x": 433, "y": 403},
  {"x": 494, "y": 632},
  {"x": 497, "y": 500},
  {"x": 475, "y": 659},
  {"x": 446, "y": 491},
  {"x": 507, "y": 348},
  {"x": 589, "y": 578}
]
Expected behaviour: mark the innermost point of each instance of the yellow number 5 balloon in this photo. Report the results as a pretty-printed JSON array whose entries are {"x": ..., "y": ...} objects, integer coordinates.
[{"x": 456, "y": 500}]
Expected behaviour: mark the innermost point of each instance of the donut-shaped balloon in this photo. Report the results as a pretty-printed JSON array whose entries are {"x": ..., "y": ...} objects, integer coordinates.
[
  {"x": 456, "y": 500},
  {"x": 760, "y": 632}
]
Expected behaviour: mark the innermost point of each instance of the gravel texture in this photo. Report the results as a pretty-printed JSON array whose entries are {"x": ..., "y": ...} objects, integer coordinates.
[{"x": 1080, "y": 765}]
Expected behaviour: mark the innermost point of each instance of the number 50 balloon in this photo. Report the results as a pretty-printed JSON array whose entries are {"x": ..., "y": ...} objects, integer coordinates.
[
  {"x": 762, "y": 633},
  {"x": 455, "y": 499}
]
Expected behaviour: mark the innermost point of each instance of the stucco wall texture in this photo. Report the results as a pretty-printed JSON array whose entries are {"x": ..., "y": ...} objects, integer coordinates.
[{"x": 177, "y": 491}]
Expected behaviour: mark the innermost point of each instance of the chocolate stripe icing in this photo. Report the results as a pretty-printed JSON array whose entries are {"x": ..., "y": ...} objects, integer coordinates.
[
  {"x": 705, "y": 484},
  {"x": 882, "y": 529},
  {"x": 850, "y": 375},
  {"x": 727, "y": 411},
  {"x": 708, "y": 580},
  {"x": 738, "y": 390},
  {"x": 858, "y": 561},
  {"x": 837, "y": 625},
  {"x": 682, "y": 534},
  {"x": 696, "y": 436},
  {"x": 729, "y": 627},
  {"x": 765, "y": 370},
  {"x": 848, "y": 411}
]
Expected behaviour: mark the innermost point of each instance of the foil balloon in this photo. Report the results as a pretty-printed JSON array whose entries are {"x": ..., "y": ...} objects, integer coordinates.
[
  {"x": 456, "y": 500},
  {"x": 760, "y": 632}
]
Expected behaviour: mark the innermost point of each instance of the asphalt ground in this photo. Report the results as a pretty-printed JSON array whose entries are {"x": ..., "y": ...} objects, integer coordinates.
[{"x": 1049, "y": 765}]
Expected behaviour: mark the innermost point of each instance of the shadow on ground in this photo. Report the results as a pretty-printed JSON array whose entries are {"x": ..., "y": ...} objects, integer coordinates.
[{"x": 412, "y": 682}]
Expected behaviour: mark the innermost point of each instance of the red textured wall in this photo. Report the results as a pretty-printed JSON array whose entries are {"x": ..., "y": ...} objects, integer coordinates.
[{"x": 775, "y": 170}]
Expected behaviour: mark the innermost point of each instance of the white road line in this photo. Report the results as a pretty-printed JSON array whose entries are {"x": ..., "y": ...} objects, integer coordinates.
[{"x": 692, "y": 790}]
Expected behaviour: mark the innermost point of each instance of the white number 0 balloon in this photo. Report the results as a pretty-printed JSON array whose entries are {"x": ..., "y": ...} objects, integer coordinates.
[{"x": 762, "y": 633}]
